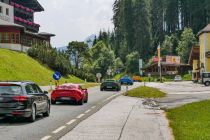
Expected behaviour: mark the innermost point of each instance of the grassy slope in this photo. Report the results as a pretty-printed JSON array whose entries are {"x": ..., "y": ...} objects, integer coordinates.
[
  {"x": 146, "y": 92},
  {"x": 19, "y": 66},
  {"x": 191, "y": 122}
]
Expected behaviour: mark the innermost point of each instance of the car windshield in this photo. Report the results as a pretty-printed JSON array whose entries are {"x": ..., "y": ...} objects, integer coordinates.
[
  {"x": 10, "y": 89},
  {"x": 110, "y": 80}
]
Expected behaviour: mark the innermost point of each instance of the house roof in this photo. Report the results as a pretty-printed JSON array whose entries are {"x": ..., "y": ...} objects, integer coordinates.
[
  {"x": 194, "y": 54},
  {"x": 33, "y": 4},
  {"x": 5, "y": 23},
  {"x": 46, "y": 34},
  {"x": 204, "y": 30}
]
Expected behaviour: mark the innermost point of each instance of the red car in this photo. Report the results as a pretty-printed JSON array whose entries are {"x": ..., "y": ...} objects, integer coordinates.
[{"x": 69, "y": 92}]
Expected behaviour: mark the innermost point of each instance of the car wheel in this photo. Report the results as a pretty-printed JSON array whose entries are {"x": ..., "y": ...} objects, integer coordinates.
[
  {"x": 53, "y": 102},
  {"x": 86, "y": 99},
  {"x": 207, "y": 83},
  {"x": 81, "y": 102},
  {"x": 32, "y": 118},
  {"x": 47, "y": 113},
  {"x": 101, "y": 89}
]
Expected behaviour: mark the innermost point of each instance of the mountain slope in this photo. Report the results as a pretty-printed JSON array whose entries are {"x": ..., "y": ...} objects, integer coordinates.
[{"x": 19, "y": 66}]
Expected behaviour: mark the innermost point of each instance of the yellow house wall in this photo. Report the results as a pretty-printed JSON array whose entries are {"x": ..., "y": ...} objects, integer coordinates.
[
  {"x": 208, "y": 49},
  {"x": 204, "y": 47}
]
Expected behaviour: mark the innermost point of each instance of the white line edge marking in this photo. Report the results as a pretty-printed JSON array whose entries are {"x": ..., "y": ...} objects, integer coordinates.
[
  {"x": 46, "y": 138},
  {"x": 93, "y": 107},
  {"x": 70, "y": 122},
  {"x": 59, "y": 129},
  {"x": 80, "y": 116},
  {"x": 88, "y": 111}
]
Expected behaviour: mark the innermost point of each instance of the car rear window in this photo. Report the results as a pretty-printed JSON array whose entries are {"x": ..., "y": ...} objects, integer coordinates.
[
  {"x": 10, "y": 89},
  {"x": 67, "y": 87}
]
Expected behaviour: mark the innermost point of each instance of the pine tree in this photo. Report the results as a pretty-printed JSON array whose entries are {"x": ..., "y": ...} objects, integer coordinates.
[{"x": 142, "y": 25}]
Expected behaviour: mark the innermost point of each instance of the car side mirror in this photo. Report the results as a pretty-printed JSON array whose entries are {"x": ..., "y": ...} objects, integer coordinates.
[{"x": 45, "y": 92}]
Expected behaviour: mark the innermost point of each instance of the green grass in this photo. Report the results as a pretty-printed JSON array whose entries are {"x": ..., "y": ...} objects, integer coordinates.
[
  {"x": 191, "y": 122},
  {"x": 146, "y": 92},
  {"x": 19, "y": 66},
  {"x": 89, "y": 85},
  {"x": 187, "y": 77},
  {"x": 118, "y": 76}
]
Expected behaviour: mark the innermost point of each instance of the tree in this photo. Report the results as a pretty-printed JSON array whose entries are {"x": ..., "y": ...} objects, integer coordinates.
[
  {"x": 102, "y": 58},
  {"x": 185, "y": 44},
  {"x": 132, "y": 62},
  {"x": 77, "y": 50},
  {"x": 142, "y": 25}
]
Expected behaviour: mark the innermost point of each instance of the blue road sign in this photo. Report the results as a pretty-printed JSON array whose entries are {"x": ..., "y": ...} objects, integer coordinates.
[{"x": 56, "y": 75}]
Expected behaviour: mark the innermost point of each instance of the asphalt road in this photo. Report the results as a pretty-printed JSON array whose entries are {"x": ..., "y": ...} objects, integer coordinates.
[
  {"x": 181, "y": 93},
  {"x": 63, "y": 118}
]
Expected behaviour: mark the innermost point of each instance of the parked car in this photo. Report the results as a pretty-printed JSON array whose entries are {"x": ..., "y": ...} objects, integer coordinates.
[
  {"x": 136, "y": 78},
  {"x": 206, "y": 78},
  {"x": 110, "y": 85},
  {"x": 23, "y": 99},
  {"x": 126, "y": 80},
  {"x": 69, "y": 92},
  {"x": 177, "y": 78}
]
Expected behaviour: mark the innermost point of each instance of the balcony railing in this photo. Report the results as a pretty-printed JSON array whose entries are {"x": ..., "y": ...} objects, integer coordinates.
[
  {"x": 22, "y": 7},
  {"x": 29, "y": 25}
]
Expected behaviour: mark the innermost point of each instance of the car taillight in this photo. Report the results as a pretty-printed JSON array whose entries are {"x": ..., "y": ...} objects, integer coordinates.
[{"x": 20, "y": 98}]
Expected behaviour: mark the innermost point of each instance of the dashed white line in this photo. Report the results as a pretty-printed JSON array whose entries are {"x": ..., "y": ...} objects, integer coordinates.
[
  {"x": 46, "y": 138},
  {"x": 80, "y": 116},
  {"x": 93, "y": 107},
  {"x": 87, "y": 111},
  {"x": 59, "y": 129},
  {"x": 70, "y": 122}
]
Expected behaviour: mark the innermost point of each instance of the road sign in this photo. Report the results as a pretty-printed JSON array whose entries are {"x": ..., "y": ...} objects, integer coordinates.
[
  {"x": 98, "y": 75},
  {"x": 109, "y": 71},
  {"x": 56, "y": 75}
]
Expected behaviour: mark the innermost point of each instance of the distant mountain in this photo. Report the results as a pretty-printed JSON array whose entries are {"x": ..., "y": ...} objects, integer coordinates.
[
  {"x": 89, "y": 40},
  {"x": 62, "y": 48}
]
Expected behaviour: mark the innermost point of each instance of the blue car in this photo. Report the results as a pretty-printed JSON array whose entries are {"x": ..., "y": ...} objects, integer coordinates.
[{"x": 126, "y": 80}]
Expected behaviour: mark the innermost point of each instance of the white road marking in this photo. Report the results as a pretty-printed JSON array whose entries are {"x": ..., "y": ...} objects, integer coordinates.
[
  {"x": 93, "y": 107},
  {"x": 46, "y": 138},
  {"x": 70, "y": 122},
  {"x": 80, "y": 116},
  {"x": 88, "y": 111},
  {"x": 59, "y": 129}
]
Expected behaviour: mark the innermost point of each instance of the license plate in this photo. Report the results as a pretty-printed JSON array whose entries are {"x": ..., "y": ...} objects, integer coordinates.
[
  {"x": 109, "y": 87},
  {"x": 1, "y": 99},
  {"x": 65, "y": 98}
]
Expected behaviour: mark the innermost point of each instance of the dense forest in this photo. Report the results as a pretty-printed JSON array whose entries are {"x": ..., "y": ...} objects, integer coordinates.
[{"x": 140, "y": 25}]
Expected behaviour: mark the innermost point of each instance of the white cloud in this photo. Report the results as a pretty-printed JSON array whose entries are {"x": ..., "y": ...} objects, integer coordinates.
[{"x": 74, "y": 19}]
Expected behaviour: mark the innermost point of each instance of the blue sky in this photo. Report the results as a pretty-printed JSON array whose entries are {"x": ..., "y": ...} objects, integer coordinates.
[{"x": 74, "y": 19}]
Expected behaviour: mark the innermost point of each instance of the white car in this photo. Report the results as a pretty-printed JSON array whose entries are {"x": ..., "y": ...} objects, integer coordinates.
[{"x": 177, "y": 78}]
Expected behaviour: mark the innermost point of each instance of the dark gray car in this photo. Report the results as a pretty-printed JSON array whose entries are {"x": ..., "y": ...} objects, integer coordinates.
[{"x": 23, "y": 99}]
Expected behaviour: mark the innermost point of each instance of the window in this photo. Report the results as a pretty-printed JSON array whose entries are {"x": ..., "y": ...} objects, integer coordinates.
[
  {"x": 1, "y": 9},
  {"x": 7, "y": 11},
  {"x": 29, "y": 89}
]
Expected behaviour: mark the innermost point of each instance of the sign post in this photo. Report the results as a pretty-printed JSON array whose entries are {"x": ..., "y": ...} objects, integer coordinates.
[
  {"x": 109, "y": 72},
  {"x": 57, "y": 77},
  {"x": 99, "y": 75},
  {"x": 159, "y": 63}
]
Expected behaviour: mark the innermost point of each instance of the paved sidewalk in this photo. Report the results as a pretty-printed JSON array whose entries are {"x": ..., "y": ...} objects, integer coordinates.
[{"x": 124, "y": 118}]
